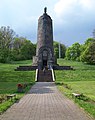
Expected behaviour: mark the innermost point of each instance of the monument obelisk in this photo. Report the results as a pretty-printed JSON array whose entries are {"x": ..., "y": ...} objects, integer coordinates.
[
  {"x": 44, "y": 57},
  {"x": 44, "y": 51}
]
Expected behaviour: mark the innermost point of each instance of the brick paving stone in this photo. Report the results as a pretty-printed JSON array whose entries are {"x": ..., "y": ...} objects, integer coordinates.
[{"x": 44, "y": 102}]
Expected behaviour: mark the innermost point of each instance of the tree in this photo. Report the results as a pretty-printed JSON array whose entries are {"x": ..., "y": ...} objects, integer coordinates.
[
  {"x": 68, "y": 53},
  {"x": 88, "y": 55},
  {"x": 14, "y": 48},
  {"x": 63, "y": 50},
  {"x": 23, "y": 49},
  {"x": 73, "y": 52},
  {"x": 27, "y": 50},
  {"x": 6, "y": 41},
  {"x": 18, "y": 42},
  {"x": 6, "y": 37},
  {"x": 88, "y": 41}
]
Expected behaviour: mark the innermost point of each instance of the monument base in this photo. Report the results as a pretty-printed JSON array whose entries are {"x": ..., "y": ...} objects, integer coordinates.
[{"x": 30, "y": 68}]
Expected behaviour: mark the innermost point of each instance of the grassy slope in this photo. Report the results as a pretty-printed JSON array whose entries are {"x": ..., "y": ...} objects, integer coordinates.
[
  {"x": 10, "y": 78},
  {"x": 80, "y": 80}
]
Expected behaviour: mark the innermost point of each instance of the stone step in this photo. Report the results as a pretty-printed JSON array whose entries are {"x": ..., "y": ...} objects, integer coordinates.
[
  {"x": 26, "y": 68},
  {"x": 57, "y": 67},
  {"x": 45, "y": 76},
  {"x": 29, "y": 68}
]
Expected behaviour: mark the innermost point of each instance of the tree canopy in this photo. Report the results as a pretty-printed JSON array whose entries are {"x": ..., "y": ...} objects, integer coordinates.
[
  {"x": 73, "y": 52},
  {"x": 19, "y": 48},
  {"x": 14, "y": 48},
  {"x": 88, "y": 55}
]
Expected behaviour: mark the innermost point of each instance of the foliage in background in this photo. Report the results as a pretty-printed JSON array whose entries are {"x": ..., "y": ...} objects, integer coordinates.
[
  {"x": 82, "y": 52},
  {"x": 6, "y": 39},
  {"x": 73, "y": 52},
  {"x": 14, "y": 48},
  {"x": 62, "y": 49},
  {"x": 88, "y": 55},
  {"x": 23, "y": 49}
]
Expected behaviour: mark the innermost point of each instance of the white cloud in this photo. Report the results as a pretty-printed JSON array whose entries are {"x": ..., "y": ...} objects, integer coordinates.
[
  {"x": 74, "y": 12},
  {"x": 64, "y": 7},
  {"x": 87, "y": 4},
  {"x": 71, "y": 17},
  {"x": 74, "y": 19}
]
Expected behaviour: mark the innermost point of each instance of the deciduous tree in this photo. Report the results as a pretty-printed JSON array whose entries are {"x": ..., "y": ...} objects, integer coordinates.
[
  {"x": 88, "y": 55},
  {"x": 73, "y": 52}
]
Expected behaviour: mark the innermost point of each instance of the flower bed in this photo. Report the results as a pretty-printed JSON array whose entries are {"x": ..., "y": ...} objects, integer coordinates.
[{"x": 21, "y": 87}]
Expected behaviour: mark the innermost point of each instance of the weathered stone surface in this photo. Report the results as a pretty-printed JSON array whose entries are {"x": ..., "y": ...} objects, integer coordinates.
[
  {"x": 44, "y": 51},
  {"x": 26, "y": 68},
  {"x": 57, "y": 67},
  {"x": 45, "y": 33},
  {"x": 45, "y": 76}
]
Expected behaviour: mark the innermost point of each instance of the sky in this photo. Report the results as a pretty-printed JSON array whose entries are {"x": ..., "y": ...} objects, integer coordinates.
[{"x": 73, "y": 20}]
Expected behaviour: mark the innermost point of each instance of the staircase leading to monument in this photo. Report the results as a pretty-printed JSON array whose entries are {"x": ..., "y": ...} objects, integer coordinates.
[{"x": 44, "y": 76}]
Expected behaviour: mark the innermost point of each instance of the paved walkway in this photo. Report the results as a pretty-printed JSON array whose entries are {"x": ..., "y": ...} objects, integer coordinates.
[{"x": 44, "y": 102}]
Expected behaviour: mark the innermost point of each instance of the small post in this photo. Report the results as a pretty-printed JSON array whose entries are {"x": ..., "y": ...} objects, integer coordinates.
[
  {"x": 94, "y": 33},
  {"x": 59, "y": 50}
]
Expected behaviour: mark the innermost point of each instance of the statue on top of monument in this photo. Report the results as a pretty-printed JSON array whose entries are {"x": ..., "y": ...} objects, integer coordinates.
[{"x": 45, "y": 10}]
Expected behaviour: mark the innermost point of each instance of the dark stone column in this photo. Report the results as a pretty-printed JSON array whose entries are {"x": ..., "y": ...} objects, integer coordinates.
[
  {"x": 44, "y": 41},
  {"x": 45, "y": 33}
]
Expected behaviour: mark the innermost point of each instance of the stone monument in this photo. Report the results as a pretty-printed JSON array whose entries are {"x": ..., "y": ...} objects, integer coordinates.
[
  {"x": 44, "y": 57},
  {"x": 44, "y": 51}
]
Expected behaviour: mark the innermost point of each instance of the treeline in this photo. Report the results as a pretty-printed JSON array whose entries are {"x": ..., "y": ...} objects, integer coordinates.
[
  {"x": 82, "y": 52},
  {"x": 77, "y": 52},
  {"x": 56, "y": 49},
  {"x": 14, "y": 48}
]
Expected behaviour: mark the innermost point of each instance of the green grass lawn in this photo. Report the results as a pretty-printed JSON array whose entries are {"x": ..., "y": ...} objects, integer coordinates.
[
  {"x": 79, "y": 80},
  {"x": 9, "y": 78}
]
